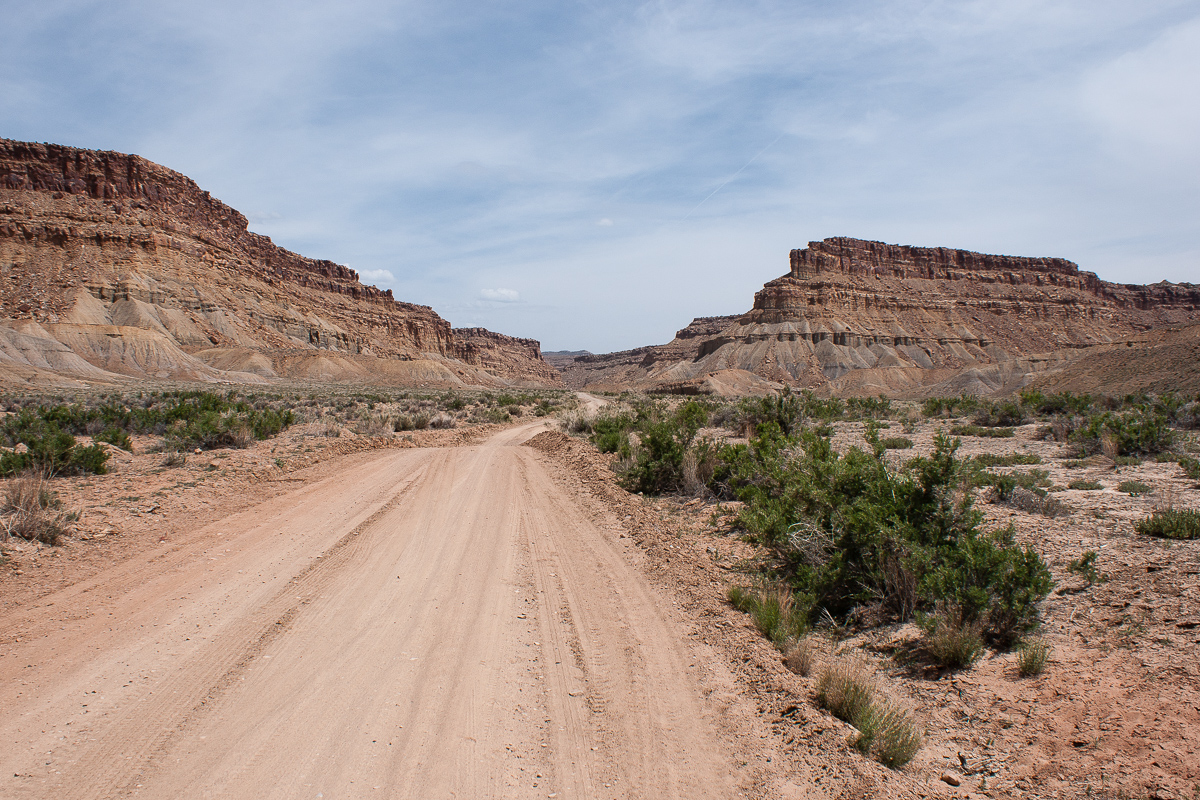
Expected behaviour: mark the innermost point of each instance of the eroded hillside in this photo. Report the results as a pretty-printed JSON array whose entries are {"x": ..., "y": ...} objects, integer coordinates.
[
  {"x": 865, "y": 317},
  {"x": 115, "y": 266}
]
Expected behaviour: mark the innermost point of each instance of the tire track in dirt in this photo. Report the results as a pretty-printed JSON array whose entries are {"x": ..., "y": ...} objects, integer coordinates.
[{"x": 473, "y": 633}]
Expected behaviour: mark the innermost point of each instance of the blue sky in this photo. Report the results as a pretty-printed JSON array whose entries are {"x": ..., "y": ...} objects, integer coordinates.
[{"x": 595, "y": 174}]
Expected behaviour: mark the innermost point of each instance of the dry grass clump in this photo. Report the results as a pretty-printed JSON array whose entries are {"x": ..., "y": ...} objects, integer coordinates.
[
  {"x": 374, "y": 425},
  {"x": 410, "y": 422},
  {"x": 847, "y": 688},
  {"x": 953, "y": 642},
  {"x": 33, "y": 512},
  {"x": 1032, "y": 655},
  {"x": 805, "y": 655},
  {"x": 1032, "y": 503},
  {"x": 442, "y": 421},
  {"x": 577, "y": 422},
  {"x": 774, "y": 611},
  {"x": 174, "y": 458}
]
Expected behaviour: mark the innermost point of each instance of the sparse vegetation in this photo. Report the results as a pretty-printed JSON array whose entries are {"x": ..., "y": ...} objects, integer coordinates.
[
  {"x": 1085, "y": 567},
  {"x": 1171, "y": 523},
  {"x": 850, "y": 534},
  {"x": 896, "y": 443},
  {"x": 33, "y": 512},
  {"x": 976, "y": 430},
  {"x": 952, "y": 641},
  {"x": 774, "y": 611},
  {"x": 1032, "y": 656},
  {"x": 1134, "y": 488},
  {"x": 804, "y": 656},
  {"x": 847, "y": 689},
  {"x": 1085, "y": 485},
  {"x": 985, "y": 460}
]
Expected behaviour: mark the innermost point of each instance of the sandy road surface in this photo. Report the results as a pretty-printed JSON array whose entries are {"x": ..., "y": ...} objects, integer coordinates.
[{"x": 432, "y": 623}]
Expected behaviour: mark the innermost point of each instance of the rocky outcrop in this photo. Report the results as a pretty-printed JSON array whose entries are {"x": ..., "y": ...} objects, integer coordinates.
[
  {"x": 864, "y": 317},
  {"x": 504, "y": 355},
  {"x": 141, "y": 273}
]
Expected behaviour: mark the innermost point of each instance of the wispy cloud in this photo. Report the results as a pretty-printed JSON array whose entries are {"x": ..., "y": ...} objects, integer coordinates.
[
  {"x": 376, "y": 275},
  {"x": 500, "y": 295},
  {"x": 440, "y": 147}
]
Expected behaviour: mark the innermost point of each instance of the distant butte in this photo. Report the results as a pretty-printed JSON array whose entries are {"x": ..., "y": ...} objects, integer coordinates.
[
  {"x": 862, "y": 317},
  {"x": 115, "y": 267}
]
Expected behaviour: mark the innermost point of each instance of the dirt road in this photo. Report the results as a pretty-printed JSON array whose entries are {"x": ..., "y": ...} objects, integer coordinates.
[{"x": 430, "y": 623}]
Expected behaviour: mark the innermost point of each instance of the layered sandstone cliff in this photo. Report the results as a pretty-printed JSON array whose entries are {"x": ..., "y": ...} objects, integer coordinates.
[
  {"x": 859, "y": 316},
  {"x": 137, "y": 271}
]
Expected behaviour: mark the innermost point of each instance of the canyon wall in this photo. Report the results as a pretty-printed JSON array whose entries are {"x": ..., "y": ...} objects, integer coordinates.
[
  {"x": 854, "y": 316},
  {"x": 139, "y": 272}
]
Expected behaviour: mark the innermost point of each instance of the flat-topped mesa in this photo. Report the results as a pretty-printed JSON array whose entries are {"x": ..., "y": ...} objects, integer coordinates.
[
  {"x": 868, "y": 316},
  {"x": 135, "y": 267},
  {"x": 841, "y": 254},
  {"x": 132, "y": 188}
]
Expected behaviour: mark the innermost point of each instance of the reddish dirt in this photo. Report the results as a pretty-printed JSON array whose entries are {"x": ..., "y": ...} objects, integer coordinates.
[{"x": 549, "y": 613}]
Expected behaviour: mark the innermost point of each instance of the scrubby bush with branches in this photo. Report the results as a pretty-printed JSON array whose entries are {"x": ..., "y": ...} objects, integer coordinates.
[{"x": 849, "y": 533}]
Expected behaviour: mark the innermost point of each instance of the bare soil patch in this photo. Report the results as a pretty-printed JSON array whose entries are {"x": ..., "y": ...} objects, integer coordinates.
[{"x": 1115, "y": 714}]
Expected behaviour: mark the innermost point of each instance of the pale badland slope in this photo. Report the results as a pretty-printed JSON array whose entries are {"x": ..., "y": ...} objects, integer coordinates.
[
  {"x": 114, "y": 267},
  {"x": 860, "y": 317}
]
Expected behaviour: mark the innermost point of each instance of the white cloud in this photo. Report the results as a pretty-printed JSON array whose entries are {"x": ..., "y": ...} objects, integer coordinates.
[
  {"x": 500, "y": 295},
  {"x": 1151, "y": 95},
  {"x": 376, "y": 275},
  {"x": 605, "y": 223}
]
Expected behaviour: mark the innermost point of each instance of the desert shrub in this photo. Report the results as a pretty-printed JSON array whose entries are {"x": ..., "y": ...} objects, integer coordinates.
[
  {"x": 1191, "y": 467},
  {"x": 174, "y": 458},
  {"x": 1134, "y": 488},
  {"x": 1003, "y": 483},
  {"x": 576, "y": 422},
  {"x": 1085, "y": 567},
  {"x": 896, "y": 443},
  {"x": 889, "y": 734},
  {"x": 975, "y": 430},
  {"x": 1134, "y": 432},
  {"x": 610, "y": 431},
  {"x": 848, "y": 690},
  {"x": 868, "y": 407},
  {"x": 1171, "y": 523},
  {"x": 115, "y": 437},
  {"x": 1127, "y": 461},
  {"x": 453, "y": 402},
  {"x": 1032, "y": 655},
  {"x": 949, "y": 406},
  {"x": 665, "y": 437},
  {"x": 40, "y": 444},
  {"x": 1033, "y": 401},
  {"x": 1008, "y": 460},
  {"x": 773, "y": 610},
  {"x": 783, "y": 410},
  {"x": 845, "y": 688},
  {"x": 848, "y": 532},
  {"x": 375, "y": 425},
  {"x": 952, "y": 641},
  {"x": 699, "y": 465},
  {"x": 33, "y": 512},
  {"x": 442, "y": 422},
  {"x": 1006, "y": 413},
  {"x": 197, "y": 418},
  {"x": 1086, "y": 486}
]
